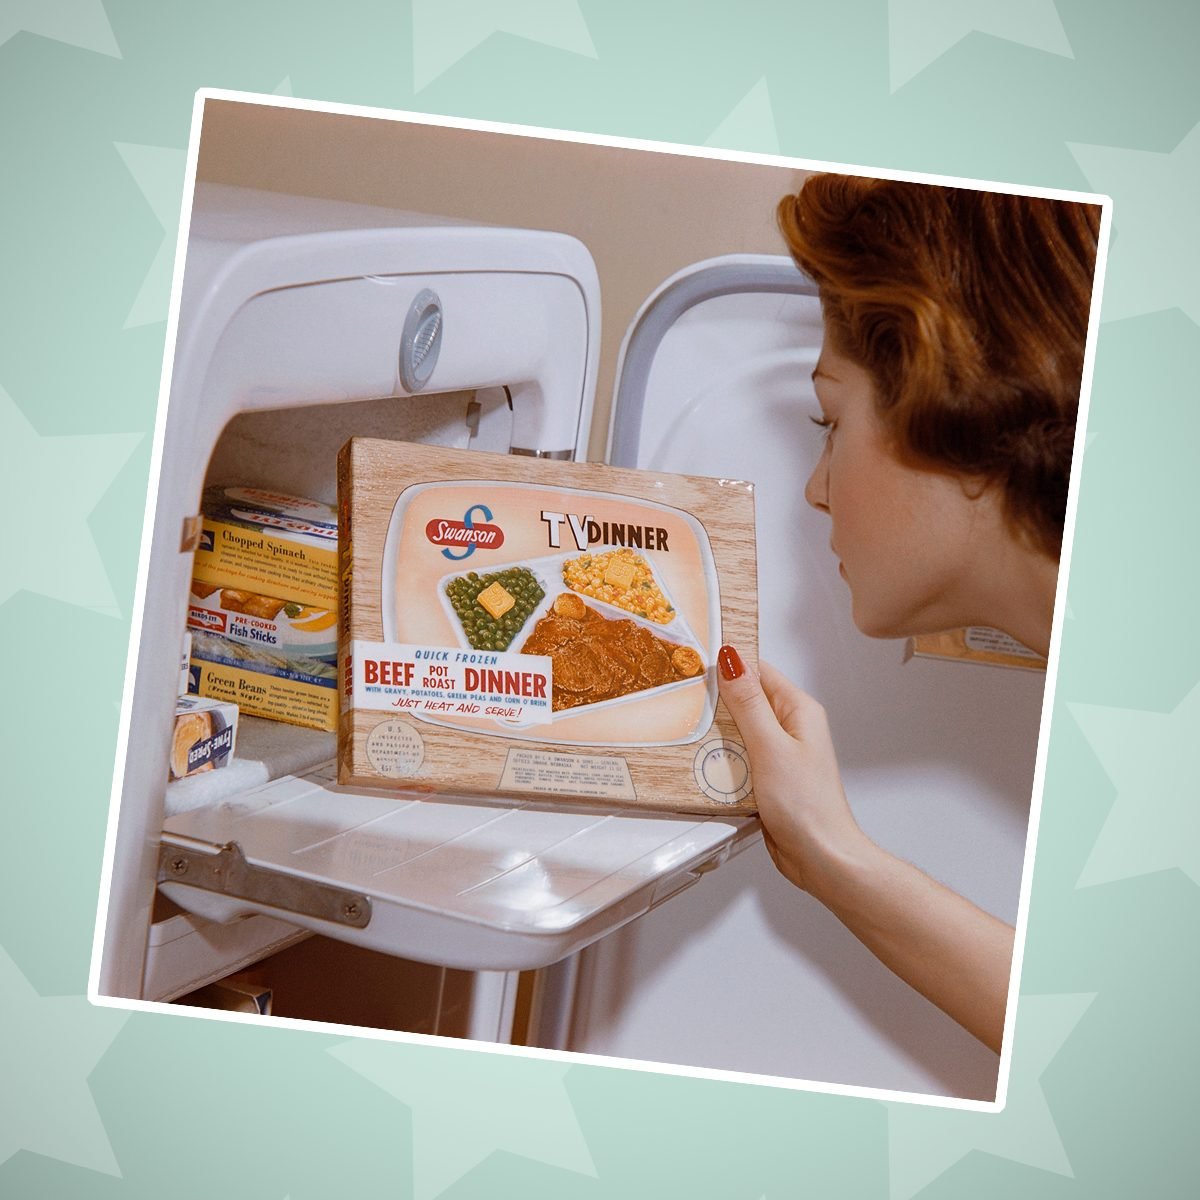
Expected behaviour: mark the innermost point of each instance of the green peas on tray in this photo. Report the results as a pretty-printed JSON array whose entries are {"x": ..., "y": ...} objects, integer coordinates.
[{"x": 484, "y": 631}]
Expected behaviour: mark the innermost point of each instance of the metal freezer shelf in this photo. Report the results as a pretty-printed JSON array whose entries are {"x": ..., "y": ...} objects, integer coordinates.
[{"x": 456, "y": 882}]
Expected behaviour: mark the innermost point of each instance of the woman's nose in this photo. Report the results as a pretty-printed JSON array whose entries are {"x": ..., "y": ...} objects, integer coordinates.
[{"x": 816, "y": 490}]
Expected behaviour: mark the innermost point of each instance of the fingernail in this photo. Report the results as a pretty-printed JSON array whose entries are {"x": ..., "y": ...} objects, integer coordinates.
[{"x": 730, "y": 663}]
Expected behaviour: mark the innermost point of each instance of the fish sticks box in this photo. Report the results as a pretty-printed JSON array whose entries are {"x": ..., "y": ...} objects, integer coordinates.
[
  {"x": 291, "y": 629},
  {"x": 541, "y": 630}
]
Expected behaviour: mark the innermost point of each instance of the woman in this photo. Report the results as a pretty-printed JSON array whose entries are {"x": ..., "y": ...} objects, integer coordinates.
[{"x": 948, "y": 385}]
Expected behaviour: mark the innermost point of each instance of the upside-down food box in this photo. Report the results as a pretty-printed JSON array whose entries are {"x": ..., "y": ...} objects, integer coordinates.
[
  {"x": 538, "y": 630},
  {"x": 204, "y": 737}
]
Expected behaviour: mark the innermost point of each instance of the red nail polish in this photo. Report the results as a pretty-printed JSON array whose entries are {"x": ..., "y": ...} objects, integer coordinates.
[{"x": 730, "y": 663}]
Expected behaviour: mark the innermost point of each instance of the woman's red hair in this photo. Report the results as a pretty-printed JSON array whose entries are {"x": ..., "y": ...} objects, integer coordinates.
[{"x": 969, "y": 310}]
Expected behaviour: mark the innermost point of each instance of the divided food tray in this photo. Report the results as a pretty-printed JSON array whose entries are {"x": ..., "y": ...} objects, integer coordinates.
[{"x": 547, "y": 570}]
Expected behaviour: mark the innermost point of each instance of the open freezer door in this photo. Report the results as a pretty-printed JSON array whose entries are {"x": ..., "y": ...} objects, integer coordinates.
[
  {"x": 937, "y": 757},
  {"x": 757, "y": 318}
]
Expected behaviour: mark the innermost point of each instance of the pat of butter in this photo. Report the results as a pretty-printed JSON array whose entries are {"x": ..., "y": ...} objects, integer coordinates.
[
  {"x": 620, "y": 572},
  {"x": 495, "y": 600}
]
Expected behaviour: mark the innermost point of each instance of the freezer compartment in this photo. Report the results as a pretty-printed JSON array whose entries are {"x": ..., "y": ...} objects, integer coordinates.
[{"x": 467, "y": 885}]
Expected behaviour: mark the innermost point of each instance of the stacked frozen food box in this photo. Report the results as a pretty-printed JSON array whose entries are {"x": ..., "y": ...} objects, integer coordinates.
[{"x": 263, "y": 606}]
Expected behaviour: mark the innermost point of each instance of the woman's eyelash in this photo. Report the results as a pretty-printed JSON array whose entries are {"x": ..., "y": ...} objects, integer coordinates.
[{"x": 823, "y": 423}]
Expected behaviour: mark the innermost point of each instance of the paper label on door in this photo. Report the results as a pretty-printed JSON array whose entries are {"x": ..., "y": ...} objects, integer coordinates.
[
  {"x": 991, "y": 641},
  {"x": 604, "y": 776}
]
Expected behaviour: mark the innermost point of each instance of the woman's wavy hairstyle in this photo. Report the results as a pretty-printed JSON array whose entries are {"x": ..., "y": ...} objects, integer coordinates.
[{"x": 969, "y": 311}]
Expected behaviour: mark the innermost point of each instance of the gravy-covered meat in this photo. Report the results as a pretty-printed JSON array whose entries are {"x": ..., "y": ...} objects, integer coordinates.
[{"x": 599, "y": 659}]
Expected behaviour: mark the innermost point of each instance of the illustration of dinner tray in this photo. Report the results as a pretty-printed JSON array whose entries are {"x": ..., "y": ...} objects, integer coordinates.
[{"x": 545, "y": 574}]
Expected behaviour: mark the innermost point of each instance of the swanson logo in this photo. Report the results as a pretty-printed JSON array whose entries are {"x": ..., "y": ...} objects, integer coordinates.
[{"x": 466, "y": 533}]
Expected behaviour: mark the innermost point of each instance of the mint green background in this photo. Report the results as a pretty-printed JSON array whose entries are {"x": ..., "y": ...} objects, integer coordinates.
[{"x": 95, "y": 105}]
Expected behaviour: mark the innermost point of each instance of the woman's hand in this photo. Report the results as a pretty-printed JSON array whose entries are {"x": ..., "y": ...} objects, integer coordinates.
[{"x": 807, "y": 824}]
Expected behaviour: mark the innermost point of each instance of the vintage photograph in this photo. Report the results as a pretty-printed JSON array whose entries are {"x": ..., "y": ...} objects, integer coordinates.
[{"x": 600, "y": 598}]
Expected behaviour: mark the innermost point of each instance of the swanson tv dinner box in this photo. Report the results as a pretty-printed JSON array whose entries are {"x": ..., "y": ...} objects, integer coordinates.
[{"x": 540, "y": 630}]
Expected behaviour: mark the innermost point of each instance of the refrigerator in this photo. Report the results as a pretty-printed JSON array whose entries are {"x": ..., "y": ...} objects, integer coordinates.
[{"x": 668, "y": 939}]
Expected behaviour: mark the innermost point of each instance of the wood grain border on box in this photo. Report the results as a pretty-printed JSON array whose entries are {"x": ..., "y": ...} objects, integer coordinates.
[{"x": 373, "y": 473}]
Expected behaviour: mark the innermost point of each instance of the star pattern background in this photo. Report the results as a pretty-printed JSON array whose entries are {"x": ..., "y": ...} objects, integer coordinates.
[
  {"x": 921, "y": 31},
  {"x": 924, "y": 1144},
  {"x": 67, "y": 564},
  {"x": 457, "y": 1125},
  {"x": 1087, "y": 94}
]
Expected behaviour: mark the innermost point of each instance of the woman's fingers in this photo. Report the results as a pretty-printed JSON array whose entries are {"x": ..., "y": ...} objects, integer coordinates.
[
  {"x": 766, "y": 704},
  {"x": 747, "y": 703},
  {"x": 763, "y": 705},
  {"x": 796, "y": 779},
  {"x": 797, "y": 712}
]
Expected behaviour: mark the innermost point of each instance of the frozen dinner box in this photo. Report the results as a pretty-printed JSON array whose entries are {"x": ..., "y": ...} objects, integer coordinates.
[{"x": 541, "y": 630}]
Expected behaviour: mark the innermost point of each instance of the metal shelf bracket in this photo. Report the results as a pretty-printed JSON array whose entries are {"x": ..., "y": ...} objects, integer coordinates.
[{"x": 224, "y": 869}]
